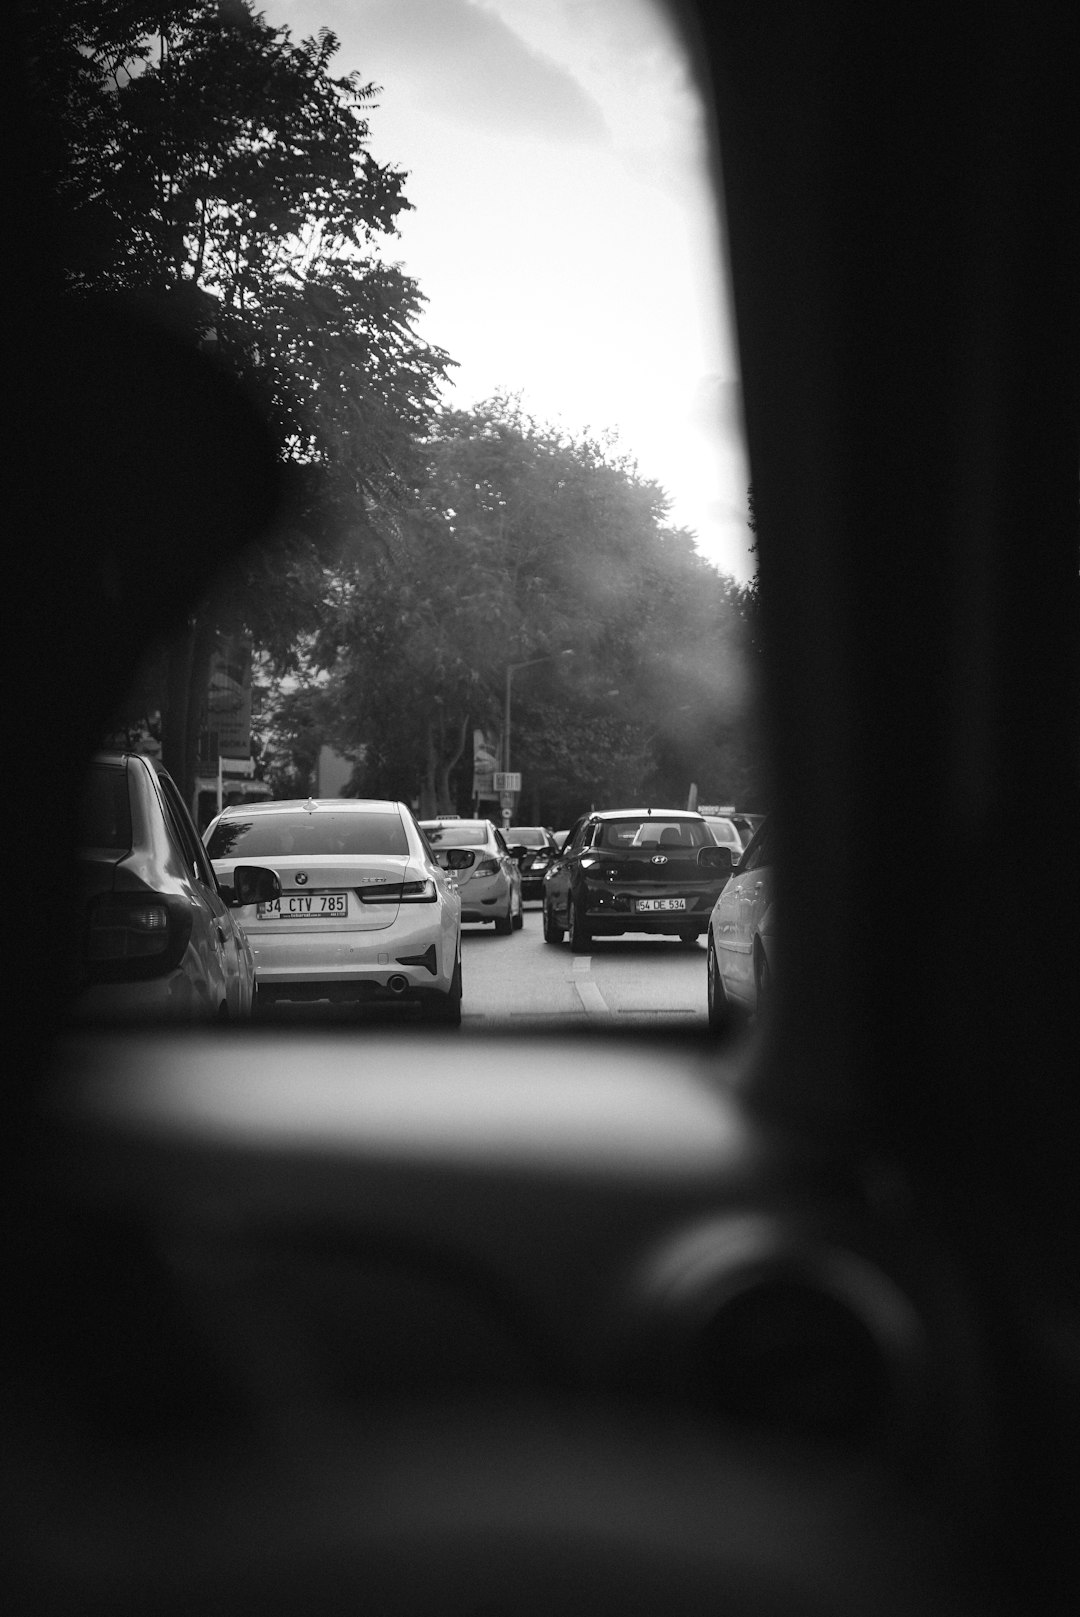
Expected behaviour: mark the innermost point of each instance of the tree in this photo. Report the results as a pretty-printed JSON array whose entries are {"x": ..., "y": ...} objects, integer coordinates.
[
  {"x": 523, "y": 542},
  {"x": 208, "y": 166}
]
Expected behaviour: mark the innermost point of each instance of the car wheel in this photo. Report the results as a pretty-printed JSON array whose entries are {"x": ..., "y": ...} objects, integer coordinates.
[
  {"x": 720, "y": 1017},
  {"x": 553, "y": 932},
  {"x": 446, "y": 1009},
  {"x": 688, "y": 939},
  {"x": 519, "y": 916},
  {"x": 580, "y": 936},
  {"x": 504, "y": 924}
]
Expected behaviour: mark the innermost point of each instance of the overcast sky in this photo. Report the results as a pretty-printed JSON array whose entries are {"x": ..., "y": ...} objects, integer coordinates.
[{"x": 564, "y": 229}]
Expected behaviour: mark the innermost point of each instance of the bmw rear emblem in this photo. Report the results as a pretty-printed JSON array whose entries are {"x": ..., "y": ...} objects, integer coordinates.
[{"x": 301, "y": 879}]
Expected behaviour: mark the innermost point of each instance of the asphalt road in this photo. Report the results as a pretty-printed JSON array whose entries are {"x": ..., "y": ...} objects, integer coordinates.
[{"x": 633, "y": 980}]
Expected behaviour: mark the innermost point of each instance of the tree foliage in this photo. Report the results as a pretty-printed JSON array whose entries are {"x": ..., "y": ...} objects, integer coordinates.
[
  {"x": 523, "y": 543},
  {"x": 208, "y": 166}
]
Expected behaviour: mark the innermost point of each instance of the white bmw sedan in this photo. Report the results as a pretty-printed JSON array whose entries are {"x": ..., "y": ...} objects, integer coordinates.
[{"x": 365, "y": 913}]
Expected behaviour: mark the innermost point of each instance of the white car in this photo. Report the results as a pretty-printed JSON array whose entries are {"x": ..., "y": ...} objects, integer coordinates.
[
  {"x": 365, "y": 912},
  {"x": 726, "y": 833},
  {"x": 489, "y": 878},
  {"x": 741, "y": 936}
]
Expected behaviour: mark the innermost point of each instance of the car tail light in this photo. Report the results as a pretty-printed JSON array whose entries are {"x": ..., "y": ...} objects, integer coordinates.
[
  {"x": 486, "y": 867},
  {"x": 135, "y": 935},
  {"x": 408, "y": 892}
]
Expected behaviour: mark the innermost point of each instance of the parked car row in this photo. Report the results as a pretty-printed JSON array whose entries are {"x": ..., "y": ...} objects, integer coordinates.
[{"x": 357, "y": 900}]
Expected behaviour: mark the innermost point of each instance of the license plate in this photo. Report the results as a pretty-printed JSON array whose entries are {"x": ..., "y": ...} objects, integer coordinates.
[
  {"x": 641, "y": 904},
  {"x": 305, "y": 907}
]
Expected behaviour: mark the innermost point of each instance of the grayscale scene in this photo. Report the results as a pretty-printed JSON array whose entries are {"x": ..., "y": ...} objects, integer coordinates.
[{"x": 544, "y": 578}]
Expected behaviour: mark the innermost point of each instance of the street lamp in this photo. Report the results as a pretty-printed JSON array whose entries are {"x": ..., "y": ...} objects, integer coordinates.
[{"x": 511, "y": 670}]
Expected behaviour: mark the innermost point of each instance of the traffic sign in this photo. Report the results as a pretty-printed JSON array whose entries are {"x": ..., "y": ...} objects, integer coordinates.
[{"x": 507, "y": 780}]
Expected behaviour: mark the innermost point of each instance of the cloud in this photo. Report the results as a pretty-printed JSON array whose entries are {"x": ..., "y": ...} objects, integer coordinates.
[{"x": 468, "y": 66}]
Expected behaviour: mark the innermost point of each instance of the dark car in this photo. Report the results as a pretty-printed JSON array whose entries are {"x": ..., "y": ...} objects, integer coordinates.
[
  {"x": 635, "y": 870},
  {"x": 158, "y": 935},
  {"x": 534, "y": 847}
]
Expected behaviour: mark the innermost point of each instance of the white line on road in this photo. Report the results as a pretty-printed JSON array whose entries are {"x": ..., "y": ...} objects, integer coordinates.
[
  {"x": 589, "y": 994},
  {"x": 592, "y": 999}
]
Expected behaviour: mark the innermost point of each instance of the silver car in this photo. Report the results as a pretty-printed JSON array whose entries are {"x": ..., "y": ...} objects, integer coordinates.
[
  {"x": 741, "y": 936},
  {"x": 490, "y": 880}
]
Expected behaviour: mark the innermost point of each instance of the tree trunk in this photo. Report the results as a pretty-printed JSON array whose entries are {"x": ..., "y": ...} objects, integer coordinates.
[
  {"x": 428, "y": 794},
  {"x": 187, "y": 681},
  {"x": 447, "y": 767}
]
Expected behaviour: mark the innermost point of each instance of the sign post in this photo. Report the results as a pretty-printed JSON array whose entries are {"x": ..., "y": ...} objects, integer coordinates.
[{"x": 507, "y": 783}]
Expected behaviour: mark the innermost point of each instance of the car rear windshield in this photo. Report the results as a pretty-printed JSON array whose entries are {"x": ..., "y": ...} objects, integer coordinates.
[
  {"x": 467, "y": 834},
  {"x": 527, "y": 836},
  {"x": 106, "y": 809},
  {"x": 653, "y": 833},
  {"x": 726, "y": 833},
  {"x": 306, "y": 833}
]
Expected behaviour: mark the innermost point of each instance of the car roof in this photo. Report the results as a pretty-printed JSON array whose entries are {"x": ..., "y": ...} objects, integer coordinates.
[
  {"x": 348, "y": 805},
  {"x": 645, "y": 813},
  {"x": 453, "y": 819}
]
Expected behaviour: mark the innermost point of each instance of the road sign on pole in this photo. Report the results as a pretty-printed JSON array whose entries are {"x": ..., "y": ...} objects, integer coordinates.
[{"x": 507, "y": 780}]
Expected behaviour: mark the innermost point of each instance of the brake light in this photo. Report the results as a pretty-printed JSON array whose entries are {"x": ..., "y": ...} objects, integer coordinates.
[
  {"x": 136, "y": 936},
  {"x": 408, "y": 892},
  {"x": 418, "y": 892}
]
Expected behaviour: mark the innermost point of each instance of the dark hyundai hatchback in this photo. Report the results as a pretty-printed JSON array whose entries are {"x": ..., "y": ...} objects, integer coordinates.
[{"x": 634, "y": 870}]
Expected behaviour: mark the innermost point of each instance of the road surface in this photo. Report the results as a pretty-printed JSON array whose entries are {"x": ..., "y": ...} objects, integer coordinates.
[{"x": 632, "y": 980}]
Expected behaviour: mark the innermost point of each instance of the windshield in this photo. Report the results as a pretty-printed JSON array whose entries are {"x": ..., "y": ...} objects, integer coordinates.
[
  {"x": 653, "y": 833},
  {"x": 366, "y": 832},
  {"x": 725, "y": 832},
  {"x": 522, "y": 580},
  {"x": 464, "y": 834}
]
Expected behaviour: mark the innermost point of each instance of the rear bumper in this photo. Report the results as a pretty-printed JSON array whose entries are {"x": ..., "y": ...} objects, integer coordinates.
[
  {"x": 611, "y": 912},
  {"x": 171, "y": 998},
  {"x": 353, "y": 965}
]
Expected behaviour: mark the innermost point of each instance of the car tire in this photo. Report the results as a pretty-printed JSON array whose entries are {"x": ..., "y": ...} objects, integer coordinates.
[
  {"x": 580, "y": 936},
  {"x": 519, "y": 917},
  {"x": 720, "y": 1011},
  {"x": 446, "y": 1008},
  {"x": 553, "y": 932},
  {"x": 689, "y": 939},
  {"x": 504, "y": 924}
]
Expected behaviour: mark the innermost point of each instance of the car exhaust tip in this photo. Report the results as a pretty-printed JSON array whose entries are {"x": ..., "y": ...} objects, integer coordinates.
[{"x": 398, "y": 983}]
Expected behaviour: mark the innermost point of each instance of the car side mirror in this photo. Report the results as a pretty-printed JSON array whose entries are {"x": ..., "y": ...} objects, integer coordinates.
[
  {"x": 254, "y": 884},
  {"x": 454, "y": 858},
  {"x": 718, "y": 860},
  {"x": 519, "y": 850}
]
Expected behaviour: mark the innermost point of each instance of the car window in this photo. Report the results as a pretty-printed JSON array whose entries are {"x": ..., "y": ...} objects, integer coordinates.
[
  {"x": 459, "y": 834},
  {"x": 367, "y": 832},
  {"x": 528, "y": 836},
  {"x": 184, "y": 832},
  {"x": 106, "y": 809},
  {"x": 638, "y": 832},
  {"x": 759, "y": 852},
  {"x": 578, "y": 838}
]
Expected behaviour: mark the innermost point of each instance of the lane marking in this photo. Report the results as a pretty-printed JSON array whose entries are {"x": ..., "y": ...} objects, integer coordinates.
[{"x": 592, "y": 999}]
